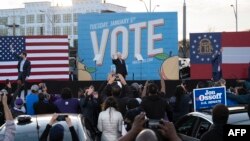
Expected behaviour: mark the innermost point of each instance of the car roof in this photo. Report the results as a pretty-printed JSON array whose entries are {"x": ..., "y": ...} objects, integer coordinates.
[
  {"x": 237, "y": 115},
  {"x": 30, "y": 129},
  {"x": 239, "y": 118},
  {"x": 204, "y": 115},
  {"x": 42, "y": 121}
]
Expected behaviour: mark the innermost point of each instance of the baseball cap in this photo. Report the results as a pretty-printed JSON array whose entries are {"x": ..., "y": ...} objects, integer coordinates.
[
  {"x": 136, "y": 86},
  {"x": 34, "y": 88}
]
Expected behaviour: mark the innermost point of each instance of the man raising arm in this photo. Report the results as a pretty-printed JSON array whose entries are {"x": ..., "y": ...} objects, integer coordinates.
[{"x": 120, "y": 64}]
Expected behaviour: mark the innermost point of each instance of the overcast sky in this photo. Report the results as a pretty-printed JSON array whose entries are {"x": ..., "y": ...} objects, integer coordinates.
[{"x": 202, "y": 15}]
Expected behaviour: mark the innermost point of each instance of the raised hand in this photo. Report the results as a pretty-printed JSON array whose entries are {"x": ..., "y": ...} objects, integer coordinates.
[
  {"x": 138, "y": 124},
  {"x": 53, "y": 119},
  {"x": 167, "y": 129},
  {"x": 68, "y": 121},
  {"x": 11, "y": 48}
]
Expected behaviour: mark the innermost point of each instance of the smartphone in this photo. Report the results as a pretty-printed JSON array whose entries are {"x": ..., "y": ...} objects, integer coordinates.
[
  {"x": 61, "y": 117},
  {"x": 44, "y": 86},
  {"x": 153, "y": 124}
]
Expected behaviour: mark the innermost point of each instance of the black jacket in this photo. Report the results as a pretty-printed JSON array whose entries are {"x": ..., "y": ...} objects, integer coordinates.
[
  {"x": 26, "y": 66},
  {"x": 216, "y": 60},
  {"x": 215, "y": 134},
  {"x": 43, "y": 107},
  {"x": 90, "y": 108},
  {"x": 155, "y": 107},
  {"x": 45, "y": 133},
  {"x": 120, "y": 66}
]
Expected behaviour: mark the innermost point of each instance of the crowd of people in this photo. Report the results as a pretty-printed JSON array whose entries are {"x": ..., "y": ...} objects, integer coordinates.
[{"x": 118, "y": 111}]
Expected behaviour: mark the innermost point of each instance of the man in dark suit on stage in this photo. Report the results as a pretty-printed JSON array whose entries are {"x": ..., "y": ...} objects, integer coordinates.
[
  {"x": 23, "y": 68},
  {"x": 216, "y": 66},
  {"x": 120, "y": 64}
]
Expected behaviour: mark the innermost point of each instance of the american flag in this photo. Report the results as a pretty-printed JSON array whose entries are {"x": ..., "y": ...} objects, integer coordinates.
[
  {"x": 235, "y": 57},
  {"x": 48, "y": 55}
]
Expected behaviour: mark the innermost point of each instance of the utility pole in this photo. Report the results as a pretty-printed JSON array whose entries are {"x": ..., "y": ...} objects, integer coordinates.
[
  {"x": 235, "y": 8},
  {"x": 13, "y": 25},
  {"x": 184, "y": 29},
  {"x": 150, "y": 6}
]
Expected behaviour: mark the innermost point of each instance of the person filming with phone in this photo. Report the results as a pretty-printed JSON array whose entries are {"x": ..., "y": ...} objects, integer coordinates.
[{"x": 56, "y": 132}]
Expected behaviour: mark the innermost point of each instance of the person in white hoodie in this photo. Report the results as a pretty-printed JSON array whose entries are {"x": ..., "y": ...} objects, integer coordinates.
[{"x": 110, "y": 121}]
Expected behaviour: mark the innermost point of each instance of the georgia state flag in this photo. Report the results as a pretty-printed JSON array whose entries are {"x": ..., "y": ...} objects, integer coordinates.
[{"x": 235, "y": 54}]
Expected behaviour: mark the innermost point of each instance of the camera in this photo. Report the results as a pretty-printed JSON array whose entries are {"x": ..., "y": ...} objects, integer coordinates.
[
  {"x": 116, "y": 77},
  {"x": 151, "y": 82},
  {"x": 61, "y": 117},
  {"x": 153, "y": 124},
  {"x": 3, "y": 91},
  {"x": 43, "y": 85}
]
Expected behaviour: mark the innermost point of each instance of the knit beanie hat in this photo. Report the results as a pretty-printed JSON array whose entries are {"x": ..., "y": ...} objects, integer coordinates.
[
  {"x": 56, "y": 133},
  {"x": 18, "y": 103}
]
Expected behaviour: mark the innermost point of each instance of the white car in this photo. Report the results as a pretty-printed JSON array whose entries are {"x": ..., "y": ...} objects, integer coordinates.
[
  {"x": 193, "y": 125},
  {"x": 32, "y": 128}
]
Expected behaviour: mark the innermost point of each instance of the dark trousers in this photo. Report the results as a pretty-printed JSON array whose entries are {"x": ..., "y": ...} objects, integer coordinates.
[
  {"x": 217, "y": 75},
  {"x": 21, "y": 85}
]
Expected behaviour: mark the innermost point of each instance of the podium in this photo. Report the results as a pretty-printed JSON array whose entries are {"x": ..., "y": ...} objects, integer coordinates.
[
  {"x": 96, "y": 58},
  {"x": 139, "y": 58}
]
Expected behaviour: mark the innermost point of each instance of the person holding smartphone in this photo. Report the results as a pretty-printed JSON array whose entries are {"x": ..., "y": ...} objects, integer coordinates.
[
  {"x": 56, "y": 132},
  {"x": 90, "y": 105}
]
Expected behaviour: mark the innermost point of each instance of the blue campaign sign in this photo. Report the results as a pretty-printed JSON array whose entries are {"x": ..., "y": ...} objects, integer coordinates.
[
  {"x": 148, "y": 43},
  {"x": 206, "y": 98}
]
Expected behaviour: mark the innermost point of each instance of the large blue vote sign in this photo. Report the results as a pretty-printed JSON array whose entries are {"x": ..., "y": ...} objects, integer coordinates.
[
  {"x": 145, "y": 41},
  {"x": 206, "y": 98}
]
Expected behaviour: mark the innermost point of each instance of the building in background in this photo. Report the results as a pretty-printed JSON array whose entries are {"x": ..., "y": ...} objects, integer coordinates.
[{"x": 41, "y": 18}]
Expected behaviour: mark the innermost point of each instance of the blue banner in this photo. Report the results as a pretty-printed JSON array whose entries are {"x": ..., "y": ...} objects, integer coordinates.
[
  {"x": 152, "y": 37},
  {"x": 206, "y": 98}
]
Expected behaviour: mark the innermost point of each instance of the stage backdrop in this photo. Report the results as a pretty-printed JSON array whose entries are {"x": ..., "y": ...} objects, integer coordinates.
[
  {"x": 148, "y": 36},
  {"x": 48, "y": 55},
  {"x": 235, "y": 54}
]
